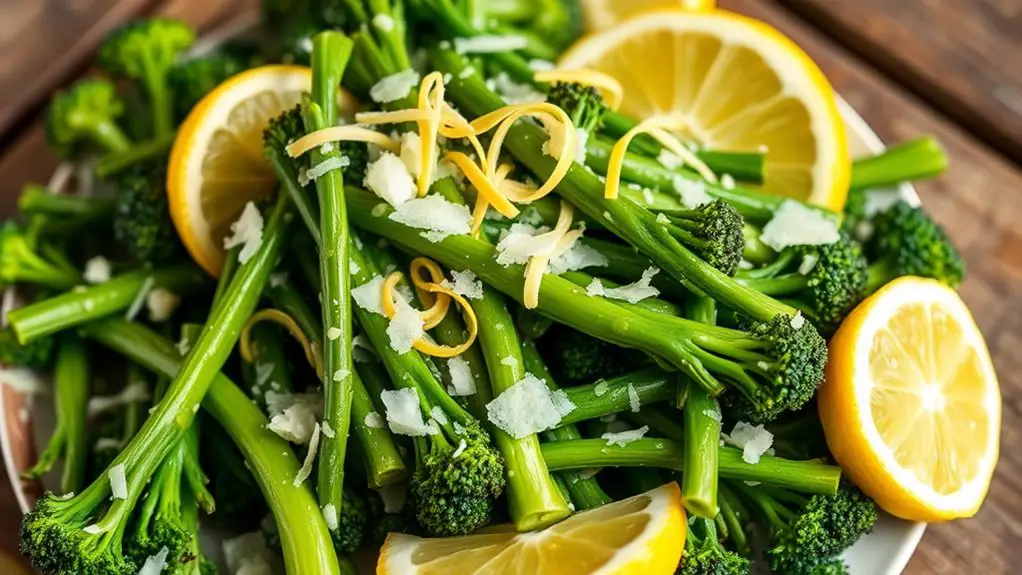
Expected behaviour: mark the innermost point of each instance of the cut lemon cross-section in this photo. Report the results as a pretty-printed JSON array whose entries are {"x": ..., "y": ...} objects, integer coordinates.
[
  {"x": 643, "y": 534},
  {"x": 911, "y": 406},
  {"x": 217, "y": 164},
  {"x": 602, "y": 14},
  {"x": 730, "y": 83}
]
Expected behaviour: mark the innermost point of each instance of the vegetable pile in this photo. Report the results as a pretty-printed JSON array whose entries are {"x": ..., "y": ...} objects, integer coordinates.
[{"x": 478, "y": 301}]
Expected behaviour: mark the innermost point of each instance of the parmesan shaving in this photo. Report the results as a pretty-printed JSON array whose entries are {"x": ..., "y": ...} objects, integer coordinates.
[
  {"x": 623, "y": 438},
  {"x": 310, "y": 458},
  {"x": 632, "y": 293},
  {"x": 394, "y": 87}
]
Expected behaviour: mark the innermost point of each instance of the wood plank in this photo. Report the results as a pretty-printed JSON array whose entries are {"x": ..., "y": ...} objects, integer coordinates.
[
  {"x": 46, "y": 41},
  {"x": 986, "y": 231},
  {"x": 960, "y": 56}
]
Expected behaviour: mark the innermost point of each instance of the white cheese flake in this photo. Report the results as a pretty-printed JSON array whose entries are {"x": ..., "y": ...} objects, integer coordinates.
[
  {"x": 374, "y": 420},
  {"x": 633, "y": 398},
  {"x": 489, "y": 44},
  {"x": 361, "y": 350},
  {"x": 310, "y": 458},
  {"x": 437, "y": 413},
  {"x": 632, "y": 293},
  {"x": 528, "y": 407},
  {"x": 509, "y": 361},
  {"x": 97, "y": 270},
  {"x": 341, "y": 374},
  {"x": 514, "y": 93},
  {"x": 713, "y": 414},
  {"x": 93, "y": 529},
  {"x": 330, "y": 516},
  {"x": 670, "y": 160},
  {"x": 328, "y": 165},
  {"x": 140, "y": 298},
  {"x": 808, "y": 264},
  {"x": 795, "y": 224},
  {"x": 155, "y": 564},
  {"x": 404, "y": 413},
  {"x": 601, "y": 388},
  {"x": 623, "y": 438},
  {"x": 368, "y": 296},
  {"x": 248, "y": 554},
  {"x": 727, "y": 182},
  {"x": 537, "y": 65},
  {"x": 462, "y": 381},
  {"x": 798, "y": 320},
  {"x": 465, "y": 284},
  {"x": 406, "y": 327},
  {"x": 247, "y": 232},
  {"x": 663, "y": 219},
  {"x": 161, "y": 304},
  {"x": 298, "y": 421},
  {"x": 394, "y": 87},
  {"x": 581, "y": 139},
  {"x": 411, "y": 153},
  {"x": 461, "y": 449},
  {"x": 691, "y": 192},
  {"x": 383, "y": 22},
  {"x": 388, "y": 177},
  {"x": 135, "y": 392},
  {"x": 753, "y": 440},
  {"x": 333, "y": 333},
  {"x": 327, "y": 430},
  {"x": 118, "y": 483},
  {"x": 436, "y": 215}
]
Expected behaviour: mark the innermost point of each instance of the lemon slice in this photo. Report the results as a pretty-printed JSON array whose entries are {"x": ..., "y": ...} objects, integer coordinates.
[
  {"x": 601, "y": 14},
  {"x": 911, "y": 405},
  {"x": 729, "y": 82},
  {"x": 217, "y": 163},
  {"x": 643, "y": 534}
]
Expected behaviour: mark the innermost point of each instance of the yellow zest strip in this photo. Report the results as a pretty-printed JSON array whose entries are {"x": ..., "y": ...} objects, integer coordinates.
[
  {"x": 338, "y": 134},
  {"x": 395, "y": 117},
  {"x": 654, "y": 127},
  {"x": 608, "y": 86},
  {"x": 537, "y": 265},
  {"x": 438, "y": 304},
  {"x": 557, "y": 123},
  {"x": 424, "y": 345},
  {"x": 431, "y": 101},
  {"x": 312, "y": 351},
  {"x": 483, "y": 185},
  {"x": 479, "y": 210}
]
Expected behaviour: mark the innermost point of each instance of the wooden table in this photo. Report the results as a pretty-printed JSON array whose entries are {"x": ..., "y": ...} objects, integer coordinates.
[{"x": 910, "y": 67}]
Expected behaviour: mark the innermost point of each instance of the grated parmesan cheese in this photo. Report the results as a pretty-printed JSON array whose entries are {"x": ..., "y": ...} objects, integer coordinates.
[
  {"x": 97, "y": 270},
  {"x": 374, "y": 420},
  {"x": 509, "y": 361},
  {"x": 438, "y": 415},
  {"x": 333, "y": 333},
  {"x": 691, "y": 192},
  {"x": 727, "y": 182},
  {"x": 461, "y": 449},
  {"x": 388, "y": 177},
  {"x": 368, "y": 295},
  {"x": 247, "y": 232},
  {"x": 361, "y": 350},
  {"x": 310, "y": 458},
  {"x": 601, "y": 388},
  {"x": 795, "y": 224},
  {"x": 383, "y": 22},
  {"x": 330, "y": 516},
  {"x": 512, "y": 92},
  {"x": 411, "y": 153},
  {"x": 135, "y": 392},
  {"x": 753, "y": 440},
  {"x": 406, "y": 327},
  {"x": 713, "y": 414},
  {"x": 404, "y": 413},
  {"x": 581, "y": 139},
  {"x": 537, "y": 65},
  {"x": 808, "y": 264},
  {"x": 669, "y": 160},
  {"x": 489, "y": 44},
  {"x": 118, "y": 483},
  {"x": 155, "y": 564},
  {"x": 462, "y": 382},
  {"x": 327, "y": 430},
  {"x": 798, "y": 320},
  {"x": 528, "y": 407},
  {"x": 328, "y": 165},
  {"x": 436, "y": 215},
  {"x": 465, "y": 284},
  {"x": 161, "y": 304},
  {"x": 623, "y": 438},
  {"x": 247, "y": 553},
  {"x": 632, "y": 293},
  {"x": 633, "y": 398},
  {"x": 296, "y": 422},
  {"x": 394, "y": 87}
]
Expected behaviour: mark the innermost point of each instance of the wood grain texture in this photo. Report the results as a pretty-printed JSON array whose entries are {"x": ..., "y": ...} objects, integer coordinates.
[
  {"x": 978, "y": 201},
  {"x": 963, "y": 57}
]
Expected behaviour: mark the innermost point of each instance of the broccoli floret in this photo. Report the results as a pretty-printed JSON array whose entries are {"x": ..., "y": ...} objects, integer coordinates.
[
  {"x": 704, "y": 555},
  {"x": 37, "y": 354},
  {"x": 805, "y": 531},
  {"x": 192, "y": 79},
  {"x": 824, "y": 282},
  {"x": 454, "y": 495},
  {"x": 800, "y": 437},
  {"x": 833, "y": 566},
  {"x": 583, "y": 104},
  {"x": 86, "y": 114},
  {"x": 20, "y": 262},
  {"x": 382, "y": 523},
  {"x": 351, "y": 523},
  {"x": 781, "y": 365},
  {"x": 358, "y": 160},
  {"x": 145, "y": 51},
  {"x": 576, "y": 358},
  {"x": 142, "y": 224},
  {"x": 906, "y": 241},
  {"x": 713, "y": 232}
]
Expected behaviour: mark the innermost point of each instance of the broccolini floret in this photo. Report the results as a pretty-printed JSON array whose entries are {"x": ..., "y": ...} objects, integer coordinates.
[
  {"x": 85, "y": 115},
  {"x": 576, "y": 358},
  {"x": 351, "y": 523},
  {"x": 583, "y": 104},
  {"x": 21, "y": 262},
  {"x": 905, "y": 240},
  {"x": 37, "y": 354},
  {"x": 142, "y": 224},
  {"x": 704, "y": 554},
  {"x": 145, "y": 51}
]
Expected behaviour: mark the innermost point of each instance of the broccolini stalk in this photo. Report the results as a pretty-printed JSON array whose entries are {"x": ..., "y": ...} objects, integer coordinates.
[
  {"x": 36, "y": 200},
  {"x": 116, "y": 162},
  {"x": 330, "y": 53},
  {"x": 773, "y": 366},
  {"x": 72, "y": 308},
  {"x": 123, "y": 425},
  {"x": 622, "y": 216},
  {"x": 803, "y": 476},
  {"x": 584, "y": 491},
  {"x": 268, "y": 370},
  {"x": 614, "y": 395},
  {"x": 701, "y": 416},
  {"x": 304, "y": 537},
  {"x": 917, "y": 159},
  {"x": 535, "y": 501},
  {"x": 86, "y": 115},
  {"x": 71, "y": 382},
  {"x": 23, "y": 260}
]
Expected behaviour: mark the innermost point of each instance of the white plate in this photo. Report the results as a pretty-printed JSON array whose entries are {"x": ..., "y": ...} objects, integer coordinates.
[{"x": 885, "y": 551}]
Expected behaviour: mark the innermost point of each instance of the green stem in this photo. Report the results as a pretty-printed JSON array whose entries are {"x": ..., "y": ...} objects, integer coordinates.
[
  {"x": 36, "y": 199},
  {"x": 269, "y": 354},
  {"x": 652, "y": 385},
  {"x": 73, "y": 308},
  {"x": 583, "y": 490},
  {"x": 702, "y": 420},
  {"x": 330, "y": 53},
  {"x": 116, "y": 162},
  {"x": 805, "y": 476},
  {"x": 304, "y": 538},
  {"x": 109, "y": 137},
  {"x": 917, "y": 159}
]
